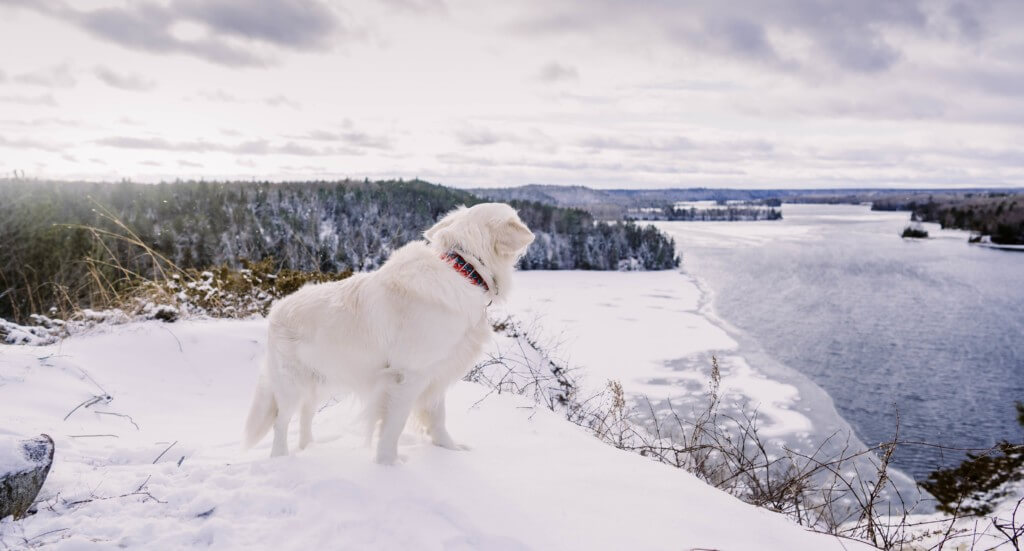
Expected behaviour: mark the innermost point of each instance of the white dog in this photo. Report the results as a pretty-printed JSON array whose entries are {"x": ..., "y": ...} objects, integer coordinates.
[{"x": 396, "y": 338}]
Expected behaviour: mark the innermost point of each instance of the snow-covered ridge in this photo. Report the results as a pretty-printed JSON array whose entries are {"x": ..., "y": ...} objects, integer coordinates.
[
  {"x": 174, "y": 394},
  {"x": 159, "y": 464}
]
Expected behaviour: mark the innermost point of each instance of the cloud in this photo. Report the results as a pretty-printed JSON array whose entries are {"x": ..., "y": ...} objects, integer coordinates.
[
  {"x": 732, "y": 36},
  {"x": 864, "y": 53},
  {"x": 418, "y": 7},
  {"x": 46, "y": 100},
  {"x": 295, "y": 24},
  {"x": 556, "y": 72},
  {"x": 128, "y": 142},
  {"x": 966, "y": 19},
  {"x": 477, "y": 136},
  {"x": 675, "y": 143},
  {"x": 849, "y": 35},
  {"x": 578, "y": 165},
  {"x": 251, "y": 147},
  {"x": 123, "y": 81},
  {"x": 998, "y": 81},
  {"x": 362, "y": 139},
  {"x": 670, "y": 147},
  {"x": 28, "y": 143},
  {"x": 41, "y": 122},
  {"x": 743, "y": 36},
  {"x": 282, "y": 101},
  {"x": 148, "y": 27},
  {"x": 231, "y": 29},
  {"x": 58, "y": 76},
  {"x": 349, "y": 137},
  {"x": 532, "y": 138},
  {"x": 219, "y": 95}
]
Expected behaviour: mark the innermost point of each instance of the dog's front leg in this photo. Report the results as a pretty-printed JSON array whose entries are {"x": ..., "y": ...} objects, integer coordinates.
[{"x": 401, "y": 392}]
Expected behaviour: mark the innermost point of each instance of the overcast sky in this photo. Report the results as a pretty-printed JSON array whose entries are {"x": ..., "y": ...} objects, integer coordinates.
[{"x": 604, "y": 93}]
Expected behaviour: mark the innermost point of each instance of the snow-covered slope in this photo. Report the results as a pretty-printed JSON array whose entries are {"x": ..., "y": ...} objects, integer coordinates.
[{"x": 530, "y": 481}]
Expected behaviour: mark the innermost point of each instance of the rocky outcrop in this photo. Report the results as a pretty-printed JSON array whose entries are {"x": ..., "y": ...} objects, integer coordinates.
[{"x": 22, "y": 475}]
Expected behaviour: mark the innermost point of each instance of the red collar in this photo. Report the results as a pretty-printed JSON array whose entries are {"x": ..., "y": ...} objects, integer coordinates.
[{"x": 467, "y": 270}]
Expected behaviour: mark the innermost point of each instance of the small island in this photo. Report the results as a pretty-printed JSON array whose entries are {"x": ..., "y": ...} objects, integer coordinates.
[{"x": 914, "y": 231}]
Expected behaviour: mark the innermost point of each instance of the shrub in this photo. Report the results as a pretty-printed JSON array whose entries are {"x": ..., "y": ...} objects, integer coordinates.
[
  {"x": 973, "y": 486},
  {"x": 914, "y": 232}
]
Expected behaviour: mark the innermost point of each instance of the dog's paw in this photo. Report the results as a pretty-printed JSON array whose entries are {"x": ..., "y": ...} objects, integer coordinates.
[
  {"x": 450, "y": 444},
  {"x": 390, "y": 459}
]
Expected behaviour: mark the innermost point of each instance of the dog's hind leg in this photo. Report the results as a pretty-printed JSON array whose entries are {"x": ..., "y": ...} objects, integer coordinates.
[
  {"x": 401, "y": 392},
  {"x": 306, "y": 412},
  {"x": 284, "y": 418},
  {"x": 288, "y": 399}
]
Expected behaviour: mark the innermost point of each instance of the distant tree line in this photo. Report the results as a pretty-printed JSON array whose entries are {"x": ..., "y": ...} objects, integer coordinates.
[
  {"x": 54, "y": 235},
  {"x": 569, "y": 238},
  {"x": 730, "y": 213},
  {"x": 999, "y": 215}
]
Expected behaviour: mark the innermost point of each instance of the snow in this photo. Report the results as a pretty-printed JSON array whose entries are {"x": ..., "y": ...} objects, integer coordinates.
[
  {"x": 12, "y": 456},
  {"x": 151, "y": 459}
]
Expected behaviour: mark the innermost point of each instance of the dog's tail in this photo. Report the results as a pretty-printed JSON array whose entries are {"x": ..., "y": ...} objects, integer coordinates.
[{"x": 262, "y": 413}]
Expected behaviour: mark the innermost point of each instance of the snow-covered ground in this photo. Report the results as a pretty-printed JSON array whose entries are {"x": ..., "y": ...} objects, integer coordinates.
[{"x": 147, "y": 418}]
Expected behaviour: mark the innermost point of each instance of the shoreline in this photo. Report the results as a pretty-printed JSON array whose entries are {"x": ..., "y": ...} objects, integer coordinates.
[
  {"x": 817, "y": 402},
  {"x": 668, "y": 357}
]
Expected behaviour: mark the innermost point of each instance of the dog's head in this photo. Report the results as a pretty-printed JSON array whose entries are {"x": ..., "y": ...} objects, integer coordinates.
[
  {"x": 485, "y": 230},
  {"x": 492, "y": 232}
]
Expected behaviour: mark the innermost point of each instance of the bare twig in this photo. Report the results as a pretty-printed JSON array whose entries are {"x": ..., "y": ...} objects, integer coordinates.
[
  {"x": 47, "y": 533},
  {"x": 128, "y": 417},
  {"x": 143, "y": 485},
  {"x": 180, "y": 349},
  {"x": 93, "y": 436},
  {"x": 105, "y": 398},
  {"x": 165, "y": 451}
]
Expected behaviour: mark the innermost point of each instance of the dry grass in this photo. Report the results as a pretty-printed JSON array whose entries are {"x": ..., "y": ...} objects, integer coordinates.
[{"x": 115, "y": 290}]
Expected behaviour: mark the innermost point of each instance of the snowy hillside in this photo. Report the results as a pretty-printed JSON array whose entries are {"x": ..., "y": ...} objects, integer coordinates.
[{"x": 158, "y": 465}]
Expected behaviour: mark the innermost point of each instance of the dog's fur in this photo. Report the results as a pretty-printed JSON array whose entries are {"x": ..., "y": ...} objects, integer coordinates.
[{"x": 396, "y": 338}]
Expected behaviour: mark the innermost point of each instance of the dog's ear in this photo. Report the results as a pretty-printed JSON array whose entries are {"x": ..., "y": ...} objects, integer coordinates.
[
  {"x": 512, "y": 237},
  {"x": 447, "y": 220}
]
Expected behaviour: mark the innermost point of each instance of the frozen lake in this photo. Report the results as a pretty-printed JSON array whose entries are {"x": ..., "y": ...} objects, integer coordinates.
[
  {"x": 933, "y": 328},
  {"x": 655, "y": 333}
]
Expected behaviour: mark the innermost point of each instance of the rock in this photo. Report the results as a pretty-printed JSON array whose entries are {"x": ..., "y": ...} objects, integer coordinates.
[{"x": 23, "y": 468}]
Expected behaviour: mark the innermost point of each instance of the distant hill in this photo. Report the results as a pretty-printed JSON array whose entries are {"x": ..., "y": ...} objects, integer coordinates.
[{"x": 616, "y": 204}]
